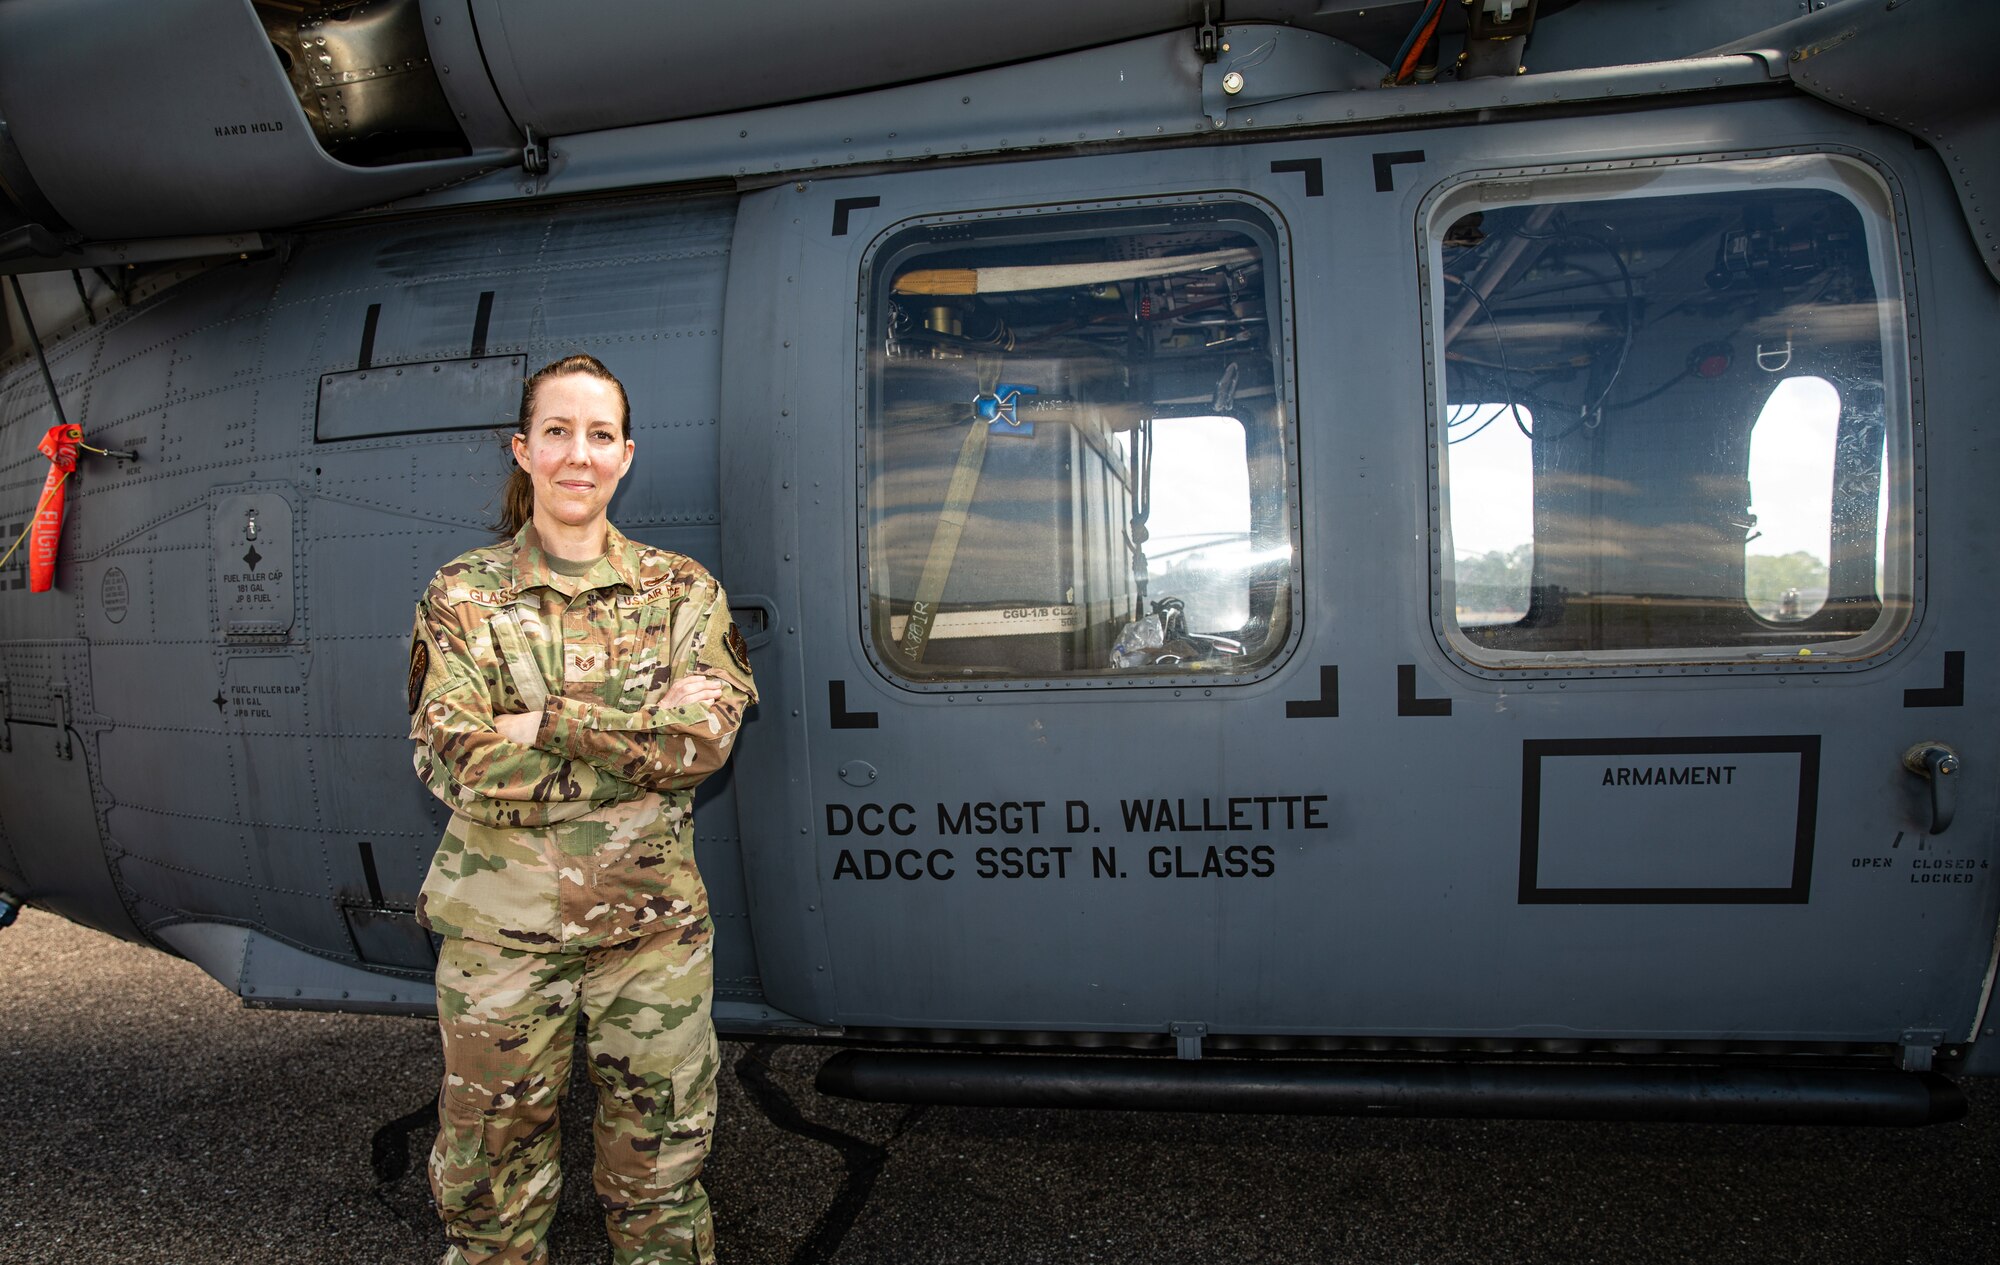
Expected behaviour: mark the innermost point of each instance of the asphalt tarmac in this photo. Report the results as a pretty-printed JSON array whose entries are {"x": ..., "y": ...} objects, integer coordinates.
[{"x": 148, "y": 1118}]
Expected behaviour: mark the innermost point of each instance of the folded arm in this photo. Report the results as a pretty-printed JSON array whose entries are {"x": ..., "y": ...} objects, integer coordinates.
[
  {"x": 467, "y": 762},
  {"x": 686, "y": 727}
]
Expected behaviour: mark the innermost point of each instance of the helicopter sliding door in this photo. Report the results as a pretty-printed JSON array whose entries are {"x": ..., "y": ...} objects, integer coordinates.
[
  {"x": 1696, "y": 687},
  {"x": 1356, "y": 589},
  {"x": 1064, "y": 506}
]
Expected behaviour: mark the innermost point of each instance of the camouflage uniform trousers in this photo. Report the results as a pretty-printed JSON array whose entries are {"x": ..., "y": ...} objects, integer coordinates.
[{"x": 509, "y": 1022}]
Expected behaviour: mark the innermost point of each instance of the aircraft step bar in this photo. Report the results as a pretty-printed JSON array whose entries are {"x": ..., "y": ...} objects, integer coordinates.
[{"x": 1747, "y": 1095}]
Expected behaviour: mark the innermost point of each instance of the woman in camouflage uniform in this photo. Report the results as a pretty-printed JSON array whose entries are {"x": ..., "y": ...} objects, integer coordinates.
[{"x": 568, "y": 690}]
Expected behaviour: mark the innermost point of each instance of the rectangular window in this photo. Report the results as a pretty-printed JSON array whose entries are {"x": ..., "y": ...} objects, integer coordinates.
[
  {"x": 1077, "y": 447},
  {"x": 1673, "y": 420}
]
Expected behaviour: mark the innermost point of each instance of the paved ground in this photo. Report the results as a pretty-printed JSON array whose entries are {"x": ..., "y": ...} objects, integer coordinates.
[{"x": 146, "y": 1118}]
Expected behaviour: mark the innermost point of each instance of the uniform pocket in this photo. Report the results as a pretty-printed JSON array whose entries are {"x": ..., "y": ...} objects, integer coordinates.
[
  {"x": 461, "y": 1166},
  {"x": 636, "y": 656},
  {"x": 686, "y": 1125}
]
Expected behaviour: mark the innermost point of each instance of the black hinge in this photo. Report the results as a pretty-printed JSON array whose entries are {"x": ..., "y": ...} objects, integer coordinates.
[
  {"x": 534, "y": 158},
  {"x": 63, "y": 749}
]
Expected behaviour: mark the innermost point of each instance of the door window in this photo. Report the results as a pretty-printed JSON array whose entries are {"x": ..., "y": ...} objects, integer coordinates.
[
  {"x": 1076, "y": 448},
  {"x": 1673, "y": 420}
]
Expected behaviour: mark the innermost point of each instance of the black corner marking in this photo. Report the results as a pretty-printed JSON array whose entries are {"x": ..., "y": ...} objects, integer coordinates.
[
  {"x": 1328, "y": 702},
  {"x": 481, "y": 320},
  {"x": 841, "y": 208},
  {"x": 1385, "y": 167},
  {"x": 836, "y": 709},
  {"x": 367, "y": 356},
  {"x": 1407, "y": 702},
  {"x": 1308, "y": 167},
  {"x": 1951, "y": 693},
  {"x": 1798, "y": 892},
  {"x": 369, "y": 874}
]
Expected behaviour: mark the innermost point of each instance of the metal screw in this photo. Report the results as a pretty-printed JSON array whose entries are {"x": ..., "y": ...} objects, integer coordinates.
[{"x": 1232, "y": 83}]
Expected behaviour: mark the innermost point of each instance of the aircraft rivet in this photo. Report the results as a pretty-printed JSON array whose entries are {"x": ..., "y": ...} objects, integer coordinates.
[{"x": 1232, "y": 83}]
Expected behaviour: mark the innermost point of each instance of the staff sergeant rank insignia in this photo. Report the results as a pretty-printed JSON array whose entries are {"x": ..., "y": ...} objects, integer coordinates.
[{"x": 420, "y": 666}]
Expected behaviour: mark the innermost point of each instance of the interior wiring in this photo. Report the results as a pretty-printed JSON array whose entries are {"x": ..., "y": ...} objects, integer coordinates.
[
  {"x": 1499, "y": 342},
  {"x": 1405, "y": 63}
]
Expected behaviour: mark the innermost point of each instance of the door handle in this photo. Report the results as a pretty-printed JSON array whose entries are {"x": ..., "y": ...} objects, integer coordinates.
[{"x": 1936, "y": 764}]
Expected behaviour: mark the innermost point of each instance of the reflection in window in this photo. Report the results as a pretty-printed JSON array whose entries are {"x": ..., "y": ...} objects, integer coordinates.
[
  {"x": 1198, "y": 546},
  {"x": 1076, "y": 448},
  {"x": 1492, "y": 525},
  {"x": 1791, "y": 500},
  {"x": 1673, "y": 424}
]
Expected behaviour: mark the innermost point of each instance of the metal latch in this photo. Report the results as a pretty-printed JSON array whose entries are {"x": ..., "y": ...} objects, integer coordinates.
[
  {"x": 1917, "y": 1048},
  {"x": 1187, "y": 1038},
  {"x": 1936, "y": 764}
]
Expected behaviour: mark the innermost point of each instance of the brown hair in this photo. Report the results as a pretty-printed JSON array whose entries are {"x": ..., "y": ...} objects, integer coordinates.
[{"x": 517, "y": 503}]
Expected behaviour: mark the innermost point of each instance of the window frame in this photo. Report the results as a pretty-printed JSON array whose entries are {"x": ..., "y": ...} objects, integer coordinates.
[
  {"x": 1265, "y": 226},
  {"x": 1890, "y": 252}
]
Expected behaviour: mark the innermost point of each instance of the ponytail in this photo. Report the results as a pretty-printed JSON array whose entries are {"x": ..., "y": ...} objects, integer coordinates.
[{"x": 517, "y": 502}]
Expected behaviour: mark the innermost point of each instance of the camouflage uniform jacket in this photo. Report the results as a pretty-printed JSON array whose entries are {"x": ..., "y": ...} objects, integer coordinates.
[{"x": 587, "y": 837}]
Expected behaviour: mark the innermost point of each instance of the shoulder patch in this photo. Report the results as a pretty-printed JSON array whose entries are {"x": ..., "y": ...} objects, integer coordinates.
[
  {"x": 420, "y": 667},
  {"x": 738, "y": 650}
]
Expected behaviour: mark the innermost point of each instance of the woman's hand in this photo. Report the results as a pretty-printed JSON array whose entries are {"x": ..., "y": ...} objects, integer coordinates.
[
  {"x": 693, "y": 688},
  {"x": 519, "y": 728}
]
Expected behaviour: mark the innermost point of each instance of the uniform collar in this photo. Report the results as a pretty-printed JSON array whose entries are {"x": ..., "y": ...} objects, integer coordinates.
[{"x": 618, "y": 566}]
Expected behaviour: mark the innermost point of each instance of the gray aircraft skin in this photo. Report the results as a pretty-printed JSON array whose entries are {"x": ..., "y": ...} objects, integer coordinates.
[{"x": 1263, "y": 532}]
